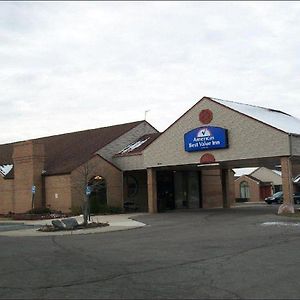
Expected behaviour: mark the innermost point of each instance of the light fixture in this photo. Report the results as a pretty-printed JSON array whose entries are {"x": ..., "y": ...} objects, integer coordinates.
[{"x": 208, "y": 165}]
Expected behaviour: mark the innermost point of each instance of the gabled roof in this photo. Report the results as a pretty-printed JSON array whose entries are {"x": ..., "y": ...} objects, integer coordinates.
[
  {"x": 250, "y": 172},
  {"x": 65, "y": 152},
  {"x": 275, "y": 118},
  {"x": 248, "y": 176},
  {"x": 253, "y": 178}
]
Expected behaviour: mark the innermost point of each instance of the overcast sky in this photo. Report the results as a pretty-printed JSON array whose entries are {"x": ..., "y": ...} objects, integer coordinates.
[{"x": 68, "y": 66}]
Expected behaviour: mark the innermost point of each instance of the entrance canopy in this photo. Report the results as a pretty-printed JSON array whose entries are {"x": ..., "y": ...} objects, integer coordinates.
[
  {"x": 255, "y": 136},
  {"x": 219, "y": 134}
]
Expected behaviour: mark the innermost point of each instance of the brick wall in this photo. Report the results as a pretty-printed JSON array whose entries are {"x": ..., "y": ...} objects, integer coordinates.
[
  {"x": 6, "y": 195},
  {"x": 58, "y": 192},
  {"x": 98, "y": 166},
  {"x": 28, "y": 159},
  {"x": 295, "y": 145},
  {"x": 253, "y": 188},
  {"x": 211, "y": 188}
]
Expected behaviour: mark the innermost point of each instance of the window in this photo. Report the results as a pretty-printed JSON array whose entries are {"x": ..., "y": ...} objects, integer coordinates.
[{"x": 244, "y": 190}]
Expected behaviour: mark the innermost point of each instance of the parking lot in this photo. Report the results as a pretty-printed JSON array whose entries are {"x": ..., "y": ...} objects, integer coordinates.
[{"x": 245, "y": 252}]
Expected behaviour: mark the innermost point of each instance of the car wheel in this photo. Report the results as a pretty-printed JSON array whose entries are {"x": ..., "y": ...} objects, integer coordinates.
[
  {"x": 297, "y": 201},
  {"x": 278, "y": 201}
]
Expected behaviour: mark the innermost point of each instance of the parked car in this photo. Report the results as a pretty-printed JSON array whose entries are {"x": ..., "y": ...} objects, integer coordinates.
[
  {"x": 278, "y": 198},
  {"x": 297, "y": 198}
]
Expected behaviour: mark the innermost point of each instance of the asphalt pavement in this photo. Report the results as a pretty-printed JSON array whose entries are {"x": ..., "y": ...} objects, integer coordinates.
[{"x": 240, "y": 253}]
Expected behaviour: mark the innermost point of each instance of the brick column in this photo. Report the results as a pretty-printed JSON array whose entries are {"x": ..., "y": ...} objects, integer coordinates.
[
  {"x": 28, "y": 158},
  {"x": 152, "y": 190},
  {"x": 226, "y": 188},
  {"x": 287, "y": 186}
]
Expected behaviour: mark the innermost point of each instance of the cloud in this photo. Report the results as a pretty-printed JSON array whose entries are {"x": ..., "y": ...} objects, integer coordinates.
[{"x": 68, "y": 66}]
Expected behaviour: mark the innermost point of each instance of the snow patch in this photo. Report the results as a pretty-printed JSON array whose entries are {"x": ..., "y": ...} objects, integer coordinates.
[
  {"x": 277, "y": 172},
  {"x": 297, "y": 179},
  {"x": 5, "y": 169},
  {"x": 275, "y": 118},
  {"x": 280, "y": 224},
  {"x": 244, "y": 171},
  {"x": 133, "y": 146}
]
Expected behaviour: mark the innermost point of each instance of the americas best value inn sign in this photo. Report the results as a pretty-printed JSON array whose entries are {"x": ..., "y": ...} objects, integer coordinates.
[{"x": 206, "y": 138}]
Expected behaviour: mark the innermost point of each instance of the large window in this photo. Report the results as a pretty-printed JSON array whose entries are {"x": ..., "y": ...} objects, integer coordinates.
[{"x": 244, "y": 190}]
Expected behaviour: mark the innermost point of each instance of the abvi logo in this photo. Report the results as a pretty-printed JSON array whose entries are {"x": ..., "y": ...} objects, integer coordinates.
[{"x": 204, "y": 132}]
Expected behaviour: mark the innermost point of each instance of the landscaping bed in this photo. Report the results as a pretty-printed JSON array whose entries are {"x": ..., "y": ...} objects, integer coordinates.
[
  {"x": 36, "y": 214},
  {"x": 51, "y": 228}
]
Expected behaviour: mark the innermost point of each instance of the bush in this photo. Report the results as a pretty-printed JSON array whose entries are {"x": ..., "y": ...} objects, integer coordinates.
[
  {"x": 76, "y": 210},
  {"x": 239, "y": 200},
  {"x": 105, "y": 209},
  {"x": 39, "y": 211}
]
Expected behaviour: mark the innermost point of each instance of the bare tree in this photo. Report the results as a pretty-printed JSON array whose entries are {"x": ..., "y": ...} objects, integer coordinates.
[{"x": 81, "y": 184}]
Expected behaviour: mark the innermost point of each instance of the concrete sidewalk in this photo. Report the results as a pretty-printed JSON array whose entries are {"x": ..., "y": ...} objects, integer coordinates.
[{"x": 116, "y": 223}]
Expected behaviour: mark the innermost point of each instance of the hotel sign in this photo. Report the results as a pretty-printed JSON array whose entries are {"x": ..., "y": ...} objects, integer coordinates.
[{"x": 206, "y": 138}]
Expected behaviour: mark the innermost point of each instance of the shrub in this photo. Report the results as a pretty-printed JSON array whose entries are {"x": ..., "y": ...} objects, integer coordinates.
[
  {"x": 39, "y": 211},
  {"x": 238, "y": 200},
  {"x": 106, "y": 209},
  {"x": 76, "y": 210}
]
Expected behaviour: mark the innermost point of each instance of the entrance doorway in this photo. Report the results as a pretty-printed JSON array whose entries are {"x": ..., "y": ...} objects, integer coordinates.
[
  {"x": 165, "y": 191},
  {"x": 98, "y": 197},
  {"x": 178, "y": 190}
]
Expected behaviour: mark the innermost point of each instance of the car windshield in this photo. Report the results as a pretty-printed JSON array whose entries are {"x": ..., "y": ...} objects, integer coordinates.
[{"x": 277, "y": 194}]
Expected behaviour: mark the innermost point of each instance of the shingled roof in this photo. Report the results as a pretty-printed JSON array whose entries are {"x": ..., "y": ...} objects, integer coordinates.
[{"x": 65, "y": 152}]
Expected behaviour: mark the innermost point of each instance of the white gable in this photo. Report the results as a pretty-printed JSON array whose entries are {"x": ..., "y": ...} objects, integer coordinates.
[{"x": 275, "y": 118}]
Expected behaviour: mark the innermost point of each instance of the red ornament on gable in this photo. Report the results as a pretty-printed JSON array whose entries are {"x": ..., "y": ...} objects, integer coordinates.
[
  {"x": 207, "y": 158},
  {"x": 205, "y": 116}
]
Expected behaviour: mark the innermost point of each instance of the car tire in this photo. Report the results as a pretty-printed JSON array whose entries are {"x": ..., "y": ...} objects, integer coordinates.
[{"x": 297, "y": 201}]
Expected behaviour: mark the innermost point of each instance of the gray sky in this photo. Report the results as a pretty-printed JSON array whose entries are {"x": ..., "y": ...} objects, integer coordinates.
[{"x": 68, "y": 66}]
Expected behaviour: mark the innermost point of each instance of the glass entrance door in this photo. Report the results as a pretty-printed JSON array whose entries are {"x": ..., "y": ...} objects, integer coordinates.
[
  {"x": 165, "y": 190},
  {"x": 193, "y": 190},
  {"x": 187, "y": 189}
]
